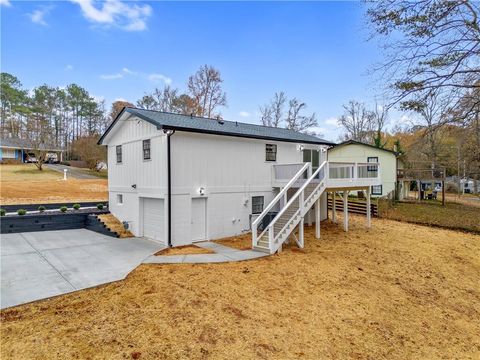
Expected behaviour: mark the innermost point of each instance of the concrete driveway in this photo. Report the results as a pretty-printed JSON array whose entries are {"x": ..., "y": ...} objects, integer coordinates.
[
  {"x": 38, "y": 265},
  {"x": 72, "y": 172}
]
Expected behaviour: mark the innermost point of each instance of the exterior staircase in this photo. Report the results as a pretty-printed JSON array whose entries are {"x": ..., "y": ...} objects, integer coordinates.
[{"x": 292, "y": 210}]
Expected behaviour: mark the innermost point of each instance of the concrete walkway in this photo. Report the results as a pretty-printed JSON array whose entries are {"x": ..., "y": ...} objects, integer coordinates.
[
  {"x": 38, "y": 265},
  {"x": 222, "y": 254}
]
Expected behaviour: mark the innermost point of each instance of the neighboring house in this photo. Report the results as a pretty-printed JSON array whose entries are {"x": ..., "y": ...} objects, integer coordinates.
[
  {"x": 180, "y": 179},
  {"x": 354, "y": 151},
  {"x": 19, "y": 150}
]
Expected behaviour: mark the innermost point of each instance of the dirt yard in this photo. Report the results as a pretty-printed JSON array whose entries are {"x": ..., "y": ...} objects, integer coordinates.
[
  {"x": 397, "y": 291},
  {"x": 24, "y": 184}
]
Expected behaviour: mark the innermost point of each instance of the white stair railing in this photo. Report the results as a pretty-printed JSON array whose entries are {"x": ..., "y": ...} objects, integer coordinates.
[
  {"x": 306, "y": 169},
  {"x": 280, "y": 228}
]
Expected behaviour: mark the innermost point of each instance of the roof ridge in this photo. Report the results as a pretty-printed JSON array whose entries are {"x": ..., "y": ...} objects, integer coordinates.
[{"x": 230, "y": 121}]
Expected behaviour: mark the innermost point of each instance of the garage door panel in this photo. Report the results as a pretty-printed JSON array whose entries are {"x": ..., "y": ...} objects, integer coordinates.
[{"x": 154, "y": 219}]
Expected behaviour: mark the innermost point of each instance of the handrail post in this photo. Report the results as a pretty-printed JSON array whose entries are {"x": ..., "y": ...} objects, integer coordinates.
[
  {"x": 270, "y": 237},
  {"x": 254, "y": 234}
]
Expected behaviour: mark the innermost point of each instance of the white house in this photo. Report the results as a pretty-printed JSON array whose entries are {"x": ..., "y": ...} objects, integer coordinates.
[
  {"x": 180, "y": 179},
  {"x": 354, "y": 151}
]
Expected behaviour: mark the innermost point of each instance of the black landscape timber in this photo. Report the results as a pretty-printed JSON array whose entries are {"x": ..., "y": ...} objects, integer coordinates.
[{"x": 46, "y": 221}]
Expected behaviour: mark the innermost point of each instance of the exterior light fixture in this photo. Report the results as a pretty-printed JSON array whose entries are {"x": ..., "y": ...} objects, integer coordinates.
[{"x": 201, "y": 191}]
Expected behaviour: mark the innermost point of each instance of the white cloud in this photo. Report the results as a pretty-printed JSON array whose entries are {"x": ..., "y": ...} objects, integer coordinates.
[
  {"x": 153, "y": 77},
  {"x": 69, "y": 67},
  {"x": 129, "y": 17},
  {"x": 111, "y": 76},
  {"x": 158, "y": 78},
  {"x": 128, "y": 71},
  {"x": 37, "y": 16},
  {"x": 244, "y": 114},
  {"x": 5, "y": 3},
  {"x": 331, "y": 121},
  {"x": 120, "y": 99}
]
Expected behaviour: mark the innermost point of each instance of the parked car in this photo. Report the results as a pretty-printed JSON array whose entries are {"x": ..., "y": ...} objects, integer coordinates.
[{"x": 31, "y": 158}]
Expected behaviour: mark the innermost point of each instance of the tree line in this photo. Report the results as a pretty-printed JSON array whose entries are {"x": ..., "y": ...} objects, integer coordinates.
[{"x": 431, "y": 73}]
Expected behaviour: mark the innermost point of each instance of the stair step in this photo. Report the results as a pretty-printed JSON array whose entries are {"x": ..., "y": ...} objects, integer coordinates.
[{"x": 262, "y": 249}]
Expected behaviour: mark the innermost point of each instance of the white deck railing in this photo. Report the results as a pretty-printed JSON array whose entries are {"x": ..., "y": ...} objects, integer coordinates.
[
  {"x": 339, "y": 174},
  {"x": 304, "y": 172}
]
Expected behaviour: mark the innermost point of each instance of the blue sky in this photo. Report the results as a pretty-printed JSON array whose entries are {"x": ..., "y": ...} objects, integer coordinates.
[{"x": 315, "y": 51}]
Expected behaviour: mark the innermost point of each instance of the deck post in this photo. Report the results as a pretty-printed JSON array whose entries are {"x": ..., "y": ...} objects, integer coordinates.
[
  {"x": 317, "y": 218},
  {"x": 345, "y": 210},
  {"x": 369, "y": 209},
  {"x": 301, "y": 233},
  {"x": 334, "y": 207}
]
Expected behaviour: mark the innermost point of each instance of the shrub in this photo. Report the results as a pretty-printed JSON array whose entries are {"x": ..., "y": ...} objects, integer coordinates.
[
  {"x": 42, "y": 208},
  {"x": 63, "y": 209},
  {"x": 21, "y": 211},
  {"x": 100, "y": 206},
  {"x": 2, "y": 212},
  {"x": 76, "y": 206}
]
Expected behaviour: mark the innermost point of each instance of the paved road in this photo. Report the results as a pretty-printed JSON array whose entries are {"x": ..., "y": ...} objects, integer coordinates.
[
  {"x": 39, "y": 265},
  {"x": 72, "y": 172}
]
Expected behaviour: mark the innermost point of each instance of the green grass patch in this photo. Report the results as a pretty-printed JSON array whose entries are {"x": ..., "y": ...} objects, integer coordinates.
[{"x": 451, "y": 216}]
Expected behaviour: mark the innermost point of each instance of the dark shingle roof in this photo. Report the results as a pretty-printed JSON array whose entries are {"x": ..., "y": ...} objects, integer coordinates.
[
  {"x": 17, "y": 143},
  {"x": 354, "y": 142},
  {"x": 188, "y": 123}
]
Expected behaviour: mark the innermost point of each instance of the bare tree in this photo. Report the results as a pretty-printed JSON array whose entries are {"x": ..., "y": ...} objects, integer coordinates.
[
  {"x": 87, "y": 149},
  {"x": 433, "y": 114},
  {"x": 160, "y": 100},
  {"x": 430, "y": 46},
  {"x": 272, "y": 113},
  {"x": 380, "y": 119},
  {"x": 205, "y": 87},
  {"x": 295, "y": 120},
  {"x": 356, "y": 121}
]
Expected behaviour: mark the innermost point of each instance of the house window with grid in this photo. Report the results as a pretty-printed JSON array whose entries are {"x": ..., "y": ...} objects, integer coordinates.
[
  {"x": 257, "y": 204},
  {"x": 270, "y": 152},
  {"x": 377, "y": 190},
  {"x": 119, "y": 154},
  {"x": 146, "y": 149},
  {"x": 373, "y": 168}
]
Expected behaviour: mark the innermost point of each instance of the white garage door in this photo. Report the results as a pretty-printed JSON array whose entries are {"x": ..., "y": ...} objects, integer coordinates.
[{"x": 154, "y": 219}]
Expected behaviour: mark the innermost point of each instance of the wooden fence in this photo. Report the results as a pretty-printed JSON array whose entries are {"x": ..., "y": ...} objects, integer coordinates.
[{"x": 354, "y": 207}]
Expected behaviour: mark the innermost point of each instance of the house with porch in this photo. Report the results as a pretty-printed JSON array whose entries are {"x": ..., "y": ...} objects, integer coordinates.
[
  {"x": 13, "y": 149},
  {"x": 356, "y": 151},
  {"x": 178, "y": 179}
]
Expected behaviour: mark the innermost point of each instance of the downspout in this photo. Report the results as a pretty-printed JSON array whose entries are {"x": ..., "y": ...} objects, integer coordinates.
[{"x": 169, "y": 187}]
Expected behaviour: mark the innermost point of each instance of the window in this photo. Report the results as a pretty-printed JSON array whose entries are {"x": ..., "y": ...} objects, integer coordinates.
[
  {"x": 270, "y": 152},
  {"x": 119, "y": 199},
  {"x": 377, "y": 190},
  {"x": 372, "y": 159},
  {"x": 146, "y": 149},
  {"x": 257, "y": 204},
  {"x": 119, "y": 154}
]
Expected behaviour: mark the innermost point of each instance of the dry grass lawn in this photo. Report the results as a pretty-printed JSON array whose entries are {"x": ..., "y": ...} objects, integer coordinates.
[
  {"x": 24, "y": 184},
  {"x": 115, "y": 225},
  {"x": 396, "y": 291},
  {"x": 242, "y": 242},
  {"x": 185, "y": 250}
]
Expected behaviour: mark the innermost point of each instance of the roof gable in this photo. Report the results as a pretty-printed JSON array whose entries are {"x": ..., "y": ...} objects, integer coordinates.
[
  {"x": 171, "y": 121},
  {"x": 353, "y": 142}
]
